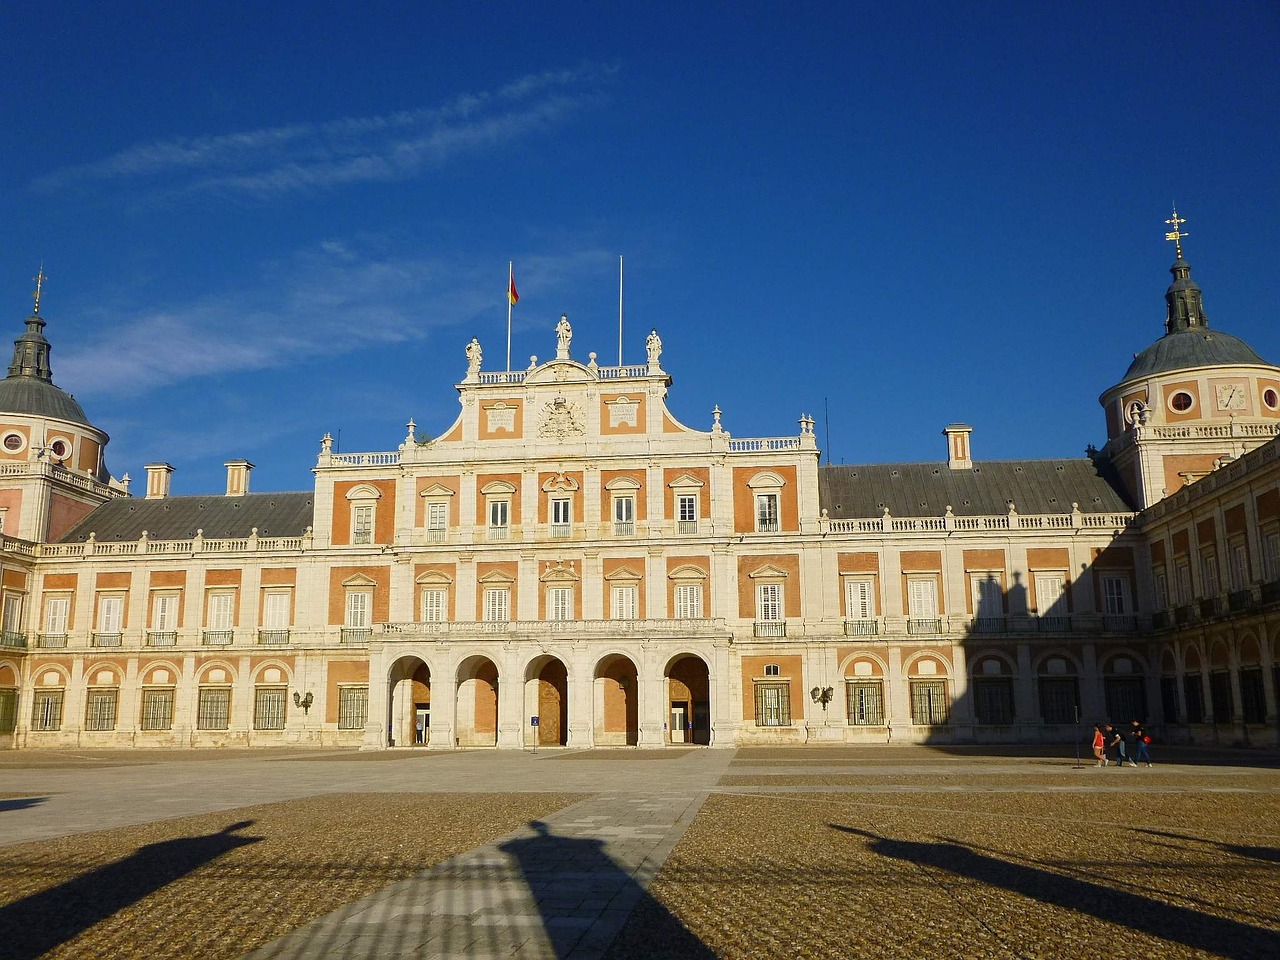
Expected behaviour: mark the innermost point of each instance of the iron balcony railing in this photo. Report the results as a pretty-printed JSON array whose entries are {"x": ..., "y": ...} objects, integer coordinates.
[
  {"x": 918, "y": 626},
  {"x": 273, "y": 638},
  {"x": 770, "y": 628},
  {"x": 105, "y": 639},
  {"x": 162, "y": 638},
  {"x": 217, "y": 638},
  {"x": 861, "y": 628}
]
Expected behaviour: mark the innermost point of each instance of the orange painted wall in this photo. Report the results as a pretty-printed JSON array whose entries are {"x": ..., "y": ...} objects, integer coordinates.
[
  {"x": 449, "y": 570},
  {"x": 517, "y": 422},
  {"x": 704, "y": 492},
  {"x": 789, "y": 563},
  {"x": 744, "y": 498},
  {"x": 381, "y": 577},
  {"x": 420, "y": 507},
  {"x": 14, "y": 579},
  {"x": 1198, "y": 409},
  {"x": 544, "y": 498},
  {"x": 791, "y": 668},
  {"x": 611, "y": 567},
  {"x": 384, "y": 514},
  {"x": 606, "y": 505},
  {"x": 342, "y": 672},
  {"x": 702, "y": 563},
  {"x": 65, "y": 513},
  {"x": 11, "y": 504},
  {"x": 641, "y": 416},
  {"x": 279, "y": 576},
  {"x": 482, "y": 506},
  {"x": 89, "y": 454},
  {"x": 506, "y": 569}
]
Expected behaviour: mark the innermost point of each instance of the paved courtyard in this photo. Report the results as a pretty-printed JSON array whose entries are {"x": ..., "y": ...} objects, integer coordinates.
[{"x": 754, "y": 853}]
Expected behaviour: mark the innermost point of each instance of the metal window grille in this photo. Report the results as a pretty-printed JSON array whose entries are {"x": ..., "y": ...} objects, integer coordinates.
[
  {"x": 1220, "y": 696},
  {"x": 268, "y": 708},
  {"x": 157, "y": 709},
  {"x": 46, "y": 710},
  {"x": 1059, "y": 699},
  {"x": 8, "y": 710},
  {"x": 437, "y": 520},
  {"x": 1126, "y": 698},
  {"x": 363, "y": 525},
  {"x": 100, "y": 710},
  {"x": 1169, "y": 699},
  {"x": 1193, "y": 695},
  {"x": 929, "y": 704},
  {"x": 866, "y": 703},
  {"x": 773, "y": 704},
  {"x": 353, "y": 707},
  {"x": 993, "y": 699},
  {"x": 213, "y": 711},
  {"x": 1253, "y": 701}
]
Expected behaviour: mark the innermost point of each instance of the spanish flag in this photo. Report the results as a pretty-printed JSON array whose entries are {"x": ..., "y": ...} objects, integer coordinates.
[{"x": 512, "y": 296}]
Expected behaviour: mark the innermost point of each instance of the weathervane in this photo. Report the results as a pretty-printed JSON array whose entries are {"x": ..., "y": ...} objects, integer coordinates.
[
  {"x": 1175, "y": 234},
  {"x": 39, "y": 278}
]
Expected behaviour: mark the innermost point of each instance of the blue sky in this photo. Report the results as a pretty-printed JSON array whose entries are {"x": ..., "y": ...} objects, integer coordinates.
[{"x": 265, "y": 221}]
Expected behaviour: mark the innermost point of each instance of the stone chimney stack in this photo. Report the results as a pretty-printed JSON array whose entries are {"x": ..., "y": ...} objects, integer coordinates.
[
  {"x": 158, "y": 475},
  {"x": 958, "y": 456},
  {"x": 238, "y": 477}
]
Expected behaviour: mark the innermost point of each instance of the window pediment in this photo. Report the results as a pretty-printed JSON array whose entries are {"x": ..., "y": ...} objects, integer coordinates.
[
  {"x": 687, "y": 571},
  {"x": 364, "y": 492},
  {"x": 437, "y": 490},
  {"x": 685, "y": 482},
  {"x": 624, "y": 484},
  {"x": 359, "y": 580},
  {"x": 768, "y": 572},
  {"x": 624, "y": 573},
  {"x": 560, "y": 484},
  {"x": 498, "y": 487},
  {"x": 497, "y": 578},
  {"x": 766, "y": 481},
  {"x": 434, "y": 577},
  {"x": 558, "y": 572}
]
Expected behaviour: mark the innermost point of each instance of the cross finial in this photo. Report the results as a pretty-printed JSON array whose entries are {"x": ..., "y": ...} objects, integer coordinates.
[
  {"x": 1175, "y": 234},
  {"x": 39, "y": 278}
]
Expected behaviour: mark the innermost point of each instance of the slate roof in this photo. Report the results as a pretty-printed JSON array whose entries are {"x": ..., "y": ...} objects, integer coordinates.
[
  {"x": 926, "y": 489},
  {"x": 1188, "y": 348},
  {"x": 178, "y": 518},
  {"x": 39, "y": 398}
]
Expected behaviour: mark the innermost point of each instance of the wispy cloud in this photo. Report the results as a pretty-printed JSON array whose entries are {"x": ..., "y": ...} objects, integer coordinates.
[
  {"x": 338, "y": 298},
  {"x": 301, "y": 156}
]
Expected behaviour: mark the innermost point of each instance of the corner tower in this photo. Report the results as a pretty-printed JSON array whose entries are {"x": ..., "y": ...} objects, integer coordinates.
[
  {"x": 52, "y": 469},
  {"x": 1190, "y": 402}
]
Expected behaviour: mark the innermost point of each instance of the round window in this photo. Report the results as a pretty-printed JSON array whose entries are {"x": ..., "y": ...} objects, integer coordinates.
[
  {"x": 1270, "y": 398},
  {"x": 13, "y": 441},
  {"x": 1181, "y": 401},
  {"x": 59, "y": 448}
]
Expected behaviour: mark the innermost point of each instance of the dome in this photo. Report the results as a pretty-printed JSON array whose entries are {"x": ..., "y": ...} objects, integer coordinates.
[
  {"x": 1191, "y": 347},
  {"x": 39, "y": 398}
]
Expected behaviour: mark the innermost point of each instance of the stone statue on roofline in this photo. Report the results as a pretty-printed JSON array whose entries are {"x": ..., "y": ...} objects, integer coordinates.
[
  {"x": 653, "y": 346},
  {"x": 564, "y": 336},
  {"x": 474, "y": 356}
]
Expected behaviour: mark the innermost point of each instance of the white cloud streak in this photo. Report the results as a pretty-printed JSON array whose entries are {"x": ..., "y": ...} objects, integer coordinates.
[{"x": 302, "y": 156}]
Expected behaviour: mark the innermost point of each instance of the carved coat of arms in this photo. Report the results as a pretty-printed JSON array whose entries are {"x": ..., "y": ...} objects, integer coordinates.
[{"x": 561, "y": 420}]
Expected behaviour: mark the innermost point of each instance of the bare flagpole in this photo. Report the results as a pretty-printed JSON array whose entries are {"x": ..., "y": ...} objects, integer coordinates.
[
  {"x": 511, "y": 289},
  {"x": 619, "y": 310}
]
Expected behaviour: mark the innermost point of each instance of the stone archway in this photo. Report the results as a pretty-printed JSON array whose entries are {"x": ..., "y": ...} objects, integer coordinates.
[
  {"x": 547, "y": 698},
  {"x": 616, "y": 700},
  {"x": 688, "y": 701},
  {"x": 408, "y": 699},
  {"x": 476, "y": 708}
]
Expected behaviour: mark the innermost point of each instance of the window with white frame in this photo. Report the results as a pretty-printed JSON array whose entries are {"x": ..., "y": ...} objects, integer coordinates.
[
  {"x": 268, "y": 708},
  {"x": 773, "y": 704},
  {"x": 220, "y": 614},
  {"x": 1115, "y": 594},
  {"x": 164, "y": 613},
  {"x": 213, "y": 708},
  {"x": 353, "y": 707},
  {"x": 11, "y": 618},
  {"x": 435, "y": 604},
  {"x": 866, "y": 702},
  {"x": 560, "y": 603},
  {"x": 57, "y": 613},
  {"x": 1271, "y": 554},
  {"x": 987, "y": 595},
  {"x": 100, "y": 709},
  {"x": 922, "y": 604},
  {"x": 46, "y": 710},
  {"x": 157, "y": 708},
  {"x": 276, "y": 610},
  {"x": 1051, "y": 594},
  {"x": 767, "y": 519},
  {"x": 1239, "y": 558},
  {"x": 1184, "y": 582},
  {"x": 689, "y": 601},
  {"x": 687, "y": 513},
  {"x": 362, "y": 523},
  {"x": 769, "y": 601},
  {"x": 497, "y": 604},
  {"x": 1161, "y": 580},
  {"x": 859, "y": 599},
  {"x": 499, "y": 519},
  {"x": 359, "y": 612},
  {"x": 110, "y": 615},
  {"x": 1209, "y": 574},
  {"x": 437, "y": 519},
  {"x": 561, "y": 516},
  {"x": 624, "y": 515},
  {"x": 772, "y": 670},
  {"x": 625, "y": 604}
]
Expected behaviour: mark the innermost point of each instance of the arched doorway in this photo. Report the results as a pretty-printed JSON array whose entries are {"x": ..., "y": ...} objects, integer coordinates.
[
  {"x": 409, "y": 703},
  {"x": 547, "y": 698},
  {"x": 477, "y": 705},
  {"x": 688, "y": 701},
  {"x": 617, "y": 717}
]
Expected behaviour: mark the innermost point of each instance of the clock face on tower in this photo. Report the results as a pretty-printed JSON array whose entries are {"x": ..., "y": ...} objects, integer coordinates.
[{"x": 1231, "y": 396}]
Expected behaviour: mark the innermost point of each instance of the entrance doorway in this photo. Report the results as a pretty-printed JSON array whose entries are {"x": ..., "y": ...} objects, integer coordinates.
[
  {"x": 689, "y": 700},
  {"x": 681, "y": 731}
]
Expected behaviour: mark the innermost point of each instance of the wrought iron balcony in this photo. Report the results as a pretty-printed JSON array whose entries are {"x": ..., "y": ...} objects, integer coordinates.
[
  {"x": 624, "y": 528},
  {"x": 356, "y": 634},
  {"x": 14, "y": 639},
  {"x": 1240, "y": 600},
  {"x": 989, "y": 625},
  {"x": 1119, "y": 623},
  {"x": 51, "y": 640},
  {"x": 105, "y": 639},
  {"x": 1210, "y": 607},
  {"x": 917, "y": 626},
  {"x": 217, "y": 638},
  {"x": 686, "y": 527},
  {"x": 1053, "y": 624},
  {"x": 861, "y": 628},
  {"x": 273, "y": 638},
  {"x": 770, "y": 628},
  {"x": 437, "y": 534},
  {"x": 162, "y": 638}
]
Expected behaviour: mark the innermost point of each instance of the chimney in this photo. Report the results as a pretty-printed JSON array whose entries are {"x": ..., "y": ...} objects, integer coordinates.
[
  {"x": 238, "y": 477},
  {"x": 958, "y": 457},
  {"x": 158, "y": 475}
]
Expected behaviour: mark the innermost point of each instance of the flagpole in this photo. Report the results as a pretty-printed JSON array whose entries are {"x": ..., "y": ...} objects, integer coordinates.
[
  {"x": 619, "y": 310},
  {"x": 511, "y": 279}
]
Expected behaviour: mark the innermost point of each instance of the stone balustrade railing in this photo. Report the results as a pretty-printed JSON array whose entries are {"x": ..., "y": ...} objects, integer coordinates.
[
  {"x": 1011, "y": 521},
  {"x": 543, "y": 629}
]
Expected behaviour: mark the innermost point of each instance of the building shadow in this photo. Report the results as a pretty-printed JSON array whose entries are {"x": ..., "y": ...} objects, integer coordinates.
[
  {"x": 37, "y": 924},
  {"x": 1265, "y": 854},
  {"x": 1214, "y": 935},
  {"x": 587, "y": 903},
  {"x": 21, "y": 803}
]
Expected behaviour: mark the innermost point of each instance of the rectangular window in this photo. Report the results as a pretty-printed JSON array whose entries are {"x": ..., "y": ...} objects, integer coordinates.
[
  {"x": 275, "y": 610},
  {"x": 57, "y": 612},
  {"x": 689, "y": 601},
  {"x": 1059, "y": 699},
  {"x": 929, "y": 705},
  {"x": 560, "y": 603},
  {"x": 100, "y": 710},
  {"x": 1125, "y": 698},
  {"x": 497, "y": 604},
  {"x": 359, "y": 603},
  {"x": 773, "y": 704},
  {"x": 46, "y": 710},
  {"x": 561, "y": 511},
  {"x": 435, "y": 604},
  {"x": 437, "y": 519},
  {"x": 1115, "y": 595},
  {"x": 1162, "y": 590},
  {"x": 11, "y": 619},
  {"x": 993, "y": 699},
  {"x": 767, "y": 513},
  {"x": 624, "y": 602},
  {"x": 110, "y": 614},
  {"x": 866, "y": 703},
  {"x": 268, "y": 708},
  {"x": 624, "y": 516},
  {"x": 8, "y": 710},
  {"x": 157, "y": 709},
  {"x": 353, "y": 708},
  {"x": 1271, "y": 555},
  {"x": 858, "y": 601},
  {"x": 362, "y": 523},
  {"x": 686, "y": 513},
  {"x": 769, "y": 601},
  {"x": 164, "y": 612},
  {"x": 1239, "y": 566},
  {"x": 1209, "y": 575},
  {"x": 987, "y": 595},
  {"x": 222, "y": 611},
  {"x": 1184, "y": 583},
  {"x": 213, "y": 711},
  {"x": 1051, "y": 594},
  {"x": 499, "y": 518}
]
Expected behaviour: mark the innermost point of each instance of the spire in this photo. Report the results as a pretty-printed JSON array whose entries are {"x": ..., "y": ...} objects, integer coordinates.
[
  {"x": 31, "y": 350},
  {"x": 1185, "y": 308}
]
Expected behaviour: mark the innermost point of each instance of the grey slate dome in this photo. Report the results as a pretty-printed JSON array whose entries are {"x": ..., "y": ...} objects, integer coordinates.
[
  {"x": 29, "y": 388},
  {"x": 1188, "y": 342}
]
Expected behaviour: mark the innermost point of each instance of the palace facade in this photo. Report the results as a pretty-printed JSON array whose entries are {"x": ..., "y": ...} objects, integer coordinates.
[{"x": 567, "y": 564}]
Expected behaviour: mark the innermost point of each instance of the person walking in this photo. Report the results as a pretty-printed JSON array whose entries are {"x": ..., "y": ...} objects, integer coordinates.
[
  {"x": 1139, "y": 739},
  {"x": 1099, "y": 746},
  {"x": 1115, "y": 741}
]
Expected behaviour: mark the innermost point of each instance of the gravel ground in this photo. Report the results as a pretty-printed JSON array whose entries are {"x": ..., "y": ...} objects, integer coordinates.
[
  {"x": 1027, "y": 874},
  {"x": 218, "y": 885}
]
